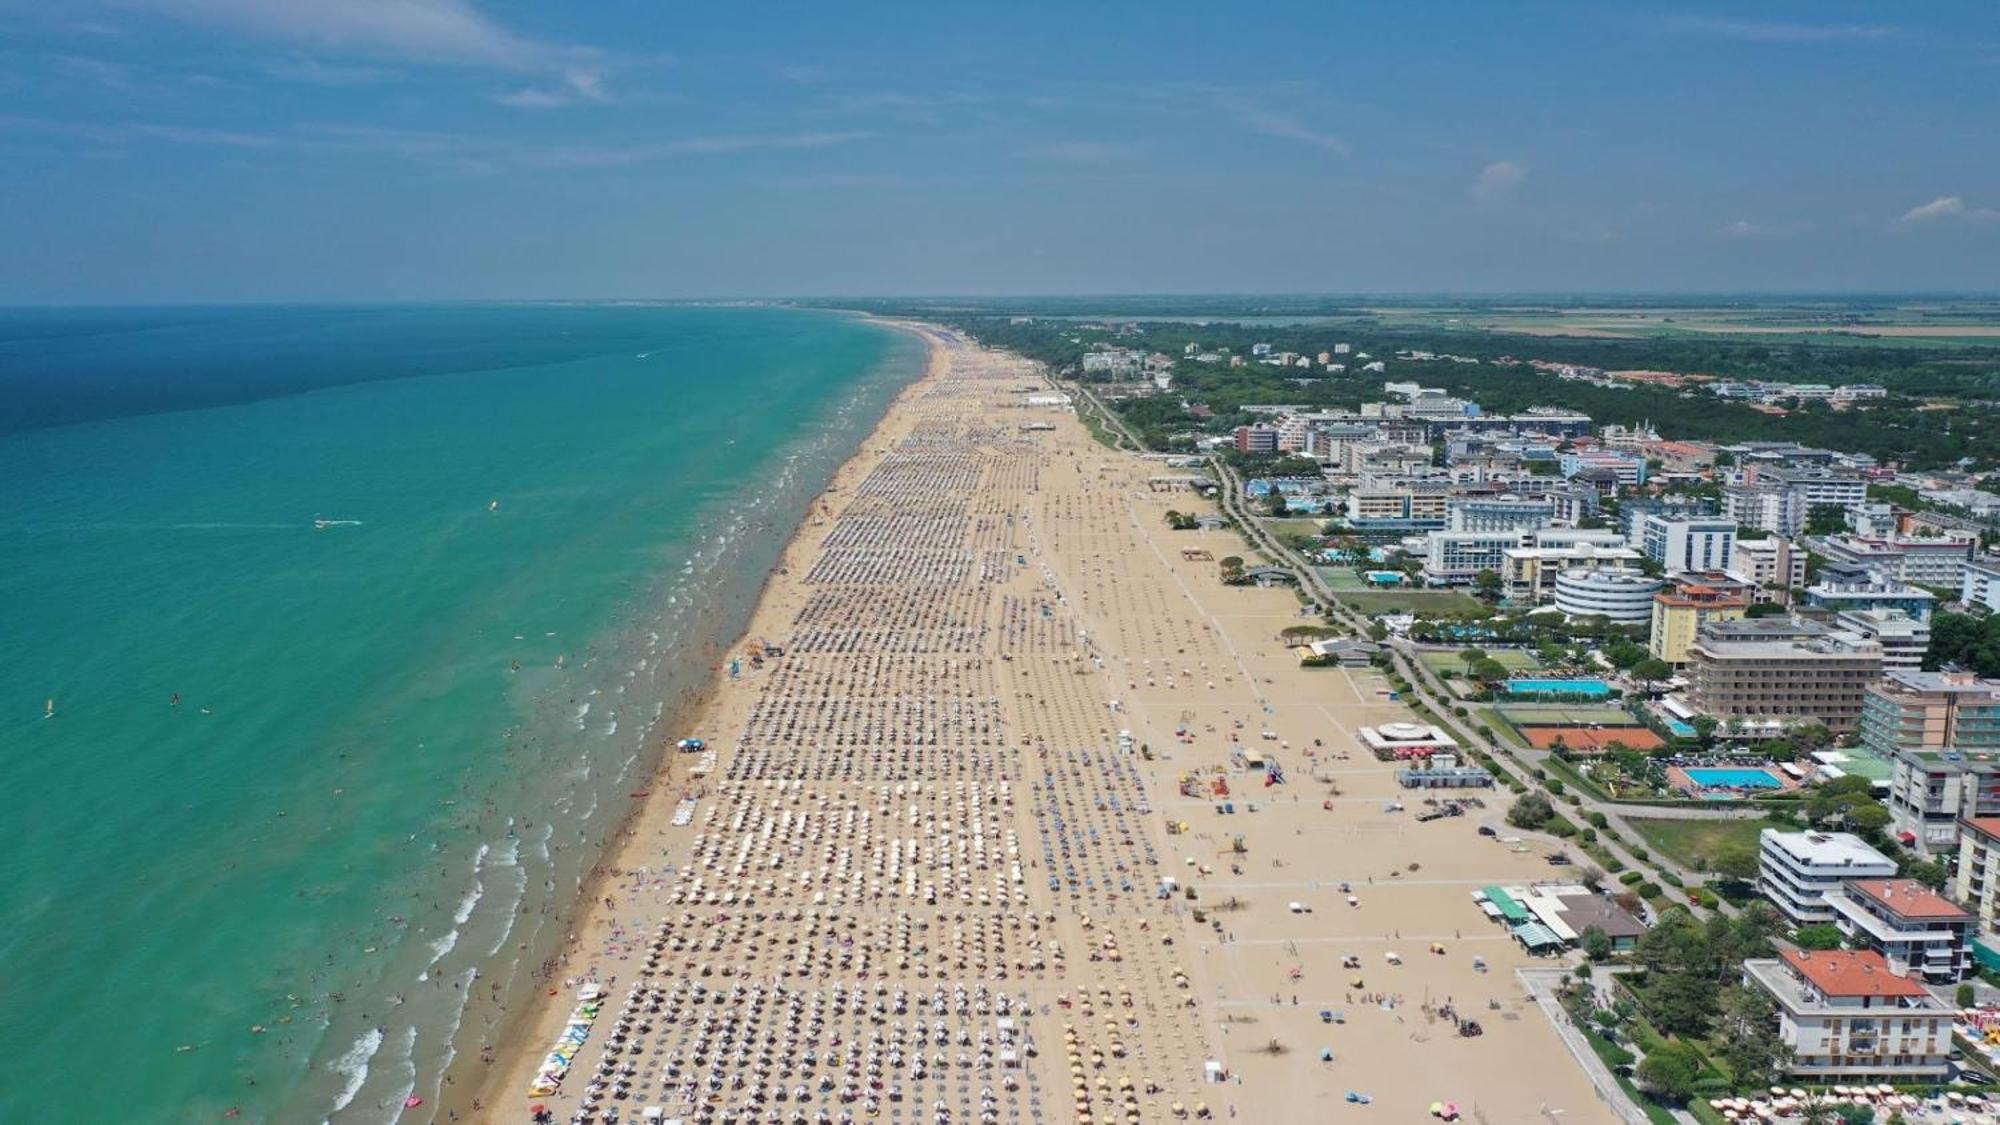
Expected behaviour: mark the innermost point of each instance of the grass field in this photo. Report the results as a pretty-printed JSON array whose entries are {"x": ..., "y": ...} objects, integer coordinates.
[
  {"x": 1684, "y": 841},
  {"x": 1410, "y": 601},
  {"x": 1512, "y": 659},
  {"x": 1341, "y": 580},
  {"x": 1293, "y": 526}
]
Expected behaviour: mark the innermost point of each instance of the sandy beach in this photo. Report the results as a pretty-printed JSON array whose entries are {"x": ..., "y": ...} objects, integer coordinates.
[{"x": 917, "y": 873}]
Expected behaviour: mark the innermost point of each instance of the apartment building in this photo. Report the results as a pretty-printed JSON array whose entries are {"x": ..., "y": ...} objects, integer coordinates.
[
  {"x": 1798, "y": 870},
  {"x": 1977, "y": 883},
  {"x": 1918, "y": 931},
  {"x": 1903, "y": 638},
  {"x": 1843, "y": 587},
  {"x": 1634, "y": 510},
  {"x": 1689, "y": 545},
  {"x": 1629, "y": 469},
  {"x": 1980, "y": 584},
  {"x": 1528, "y": 574},
  {"x": 1922, "y": 560},
  {"x": 1256, "y": 439},
  {"x": 1498, "y": 513},
  {"x": 1940, "y": 732},
  {"x": 1455, "y": 557},
  {"x": 1778, "y": 500},
  {"x": 1781, "y": 671},
  {"x": 1848, "y": 1016},
  {"x": 1679, "y": 613},
  {"x": 1771, "y": 561}
]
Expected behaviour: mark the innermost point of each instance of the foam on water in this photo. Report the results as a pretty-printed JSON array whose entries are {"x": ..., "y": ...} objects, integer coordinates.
[{"x": 352, "y": 1064}]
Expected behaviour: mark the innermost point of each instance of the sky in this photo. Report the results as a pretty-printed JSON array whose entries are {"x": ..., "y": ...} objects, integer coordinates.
[{"x": 275, "y": 150}]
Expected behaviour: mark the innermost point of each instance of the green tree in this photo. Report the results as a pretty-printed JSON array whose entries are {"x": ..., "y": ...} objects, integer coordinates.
[
  {"x": 1966, "y": 996},
  {"x": 1668, "y": 1072},
  {"x": 1819, "y": 935},
  {"x": 1652, "y": 670},
  {"x": 1735, "y": 862},
  {"x": 1486, "y": 584},
  {"x": 1596, "y": 943},
  {"x": 1826, "y": 519},
  {"x": 1750, "y": 1045},
  {"x": 1929, "y": 872},
  {"x": 1682, "y": 1003},
  {"x": 1531, "y": 811},
  {"x": 1848, "y": 802}
]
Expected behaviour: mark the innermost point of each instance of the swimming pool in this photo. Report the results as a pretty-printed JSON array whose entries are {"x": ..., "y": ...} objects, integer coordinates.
[
  {"x": 1681, "y": 729},
  {"x": 1593, "y": 688},
  {"x": 1709, "y": 778},
  {"x": 1384, "y": 577}
]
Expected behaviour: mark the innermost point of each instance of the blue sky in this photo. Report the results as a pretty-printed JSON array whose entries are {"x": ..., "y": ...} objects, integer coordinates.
[{"x": 186, "y": 150}]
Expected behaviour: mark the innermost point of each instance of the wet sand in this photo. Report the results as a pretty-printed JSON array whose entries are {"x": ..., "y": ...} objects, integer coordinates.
[{"x": 921, "y": 879}]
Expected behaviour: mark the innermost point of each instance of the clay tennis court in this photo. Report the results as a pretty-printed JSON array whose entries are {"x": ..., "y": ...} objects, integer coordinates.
[{"x": 1586, "y": 739}]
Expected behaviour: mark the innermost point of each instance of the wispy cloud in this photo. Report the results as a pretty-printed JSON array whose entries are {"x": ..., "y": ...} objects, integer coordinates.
[
  {"x": 1762, "y": 31},
  {"x": 444, "y": 30},
  {"x": 1253, "y": 108},
  {"x": 439, "y": 32},
  {"x": 1744, "y": 228},
  {"x": 449, "y": 150},
  {"x": 1498, "y": 179},
  {"x": 577, "y": 86},
  {"x": 1273, "y": 123},
  {"x": 1946, "y": 207}
]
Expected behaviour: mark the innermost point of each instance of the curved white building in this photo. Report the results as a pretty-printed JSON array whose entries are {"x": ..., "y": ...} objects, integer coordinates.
[{"x": 1623, "y": 596}]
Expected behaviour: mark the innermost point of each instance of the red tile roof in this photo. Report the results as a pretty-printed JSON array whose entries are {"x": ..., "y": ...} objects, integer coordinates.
[
  {"x": 1850, "y": 973},
  {"x": 1984, "y": 825},
  {"x": 1908, "y": 898}
]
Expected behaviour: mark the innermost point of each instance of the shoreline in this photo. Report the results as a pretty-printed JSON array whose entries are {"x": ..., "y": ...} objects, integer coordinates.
[
  {"x": 473, "y": 1086},
  {"x": 975, "y": 802}
]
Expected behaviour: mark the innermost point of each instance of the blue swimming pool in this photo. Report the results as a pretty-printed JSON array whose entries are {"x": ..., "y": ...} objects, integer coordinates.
[
  {"x": 1595, "y": 689},
  {"x": 1710, "y": 778},
  {"x": 1384, "y": 577},
  {"x": 1681, "y": 729}
]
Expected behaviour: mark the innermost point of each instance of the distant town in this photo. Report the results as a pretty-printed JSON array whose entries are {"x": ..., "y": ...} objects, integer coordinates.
[{"x": 1755, "y": 681}]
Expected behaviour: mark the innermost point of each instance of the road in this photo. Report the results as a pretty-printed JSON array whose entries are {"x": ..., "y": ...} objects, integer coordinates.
[{"x": 1618, "y": 840}]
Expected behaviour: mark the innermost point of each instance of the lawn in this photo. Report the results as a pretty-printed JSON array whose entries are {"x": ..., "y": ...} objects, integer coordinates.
[
  {"x": 1512, "y": 659},
  {"x": 1686, "y": 840},
  {"x": 1341, "y": 579},
  {"x": 1282, "y": 527},
  {"x": 1410, "y": 601}
]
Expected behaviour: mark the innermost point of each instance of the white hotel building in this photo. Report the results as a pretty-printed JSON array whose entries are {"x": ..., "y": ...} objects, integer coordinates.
[{"x": 1798, "y": 870}]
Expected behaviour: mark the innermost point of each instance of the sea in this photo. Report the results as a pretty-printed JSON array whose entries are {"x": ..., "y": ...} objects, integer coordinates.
[{"x": 334, "y": 644}]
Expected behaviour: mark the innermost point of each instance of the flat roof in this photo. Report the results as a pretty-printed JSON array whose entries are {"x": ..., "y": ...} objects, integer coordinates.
[
  {"x": 1850, "y": 972},
  {"x": 1908, "y": 898},
  {"x": 1828, "y": 849}
]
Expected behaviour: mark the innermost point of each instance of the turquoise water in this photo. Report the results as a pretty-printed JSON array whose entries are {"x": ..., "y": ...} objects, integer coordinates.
[
  {"x": 275, "y": 895},
  {"x": 1586, "y": 687},
  {"x": 1716, "y": 778},
  {"x": 1681, "y": 729}
]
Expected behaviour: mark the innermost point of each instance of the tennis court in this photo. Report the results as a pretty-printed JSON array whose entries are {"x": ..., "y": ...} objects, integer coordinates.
[
  {"x": 1583, "y": 728},
  {"x": 1592, "y": 739}
]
